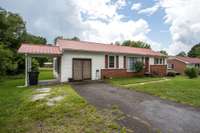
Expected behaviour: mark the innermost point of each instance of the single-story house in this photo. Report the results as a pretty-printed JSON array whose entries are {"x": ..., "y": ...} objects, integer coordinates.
[
  {"x": 179, "y": 64},
  {"x": 81, "y": 60}
]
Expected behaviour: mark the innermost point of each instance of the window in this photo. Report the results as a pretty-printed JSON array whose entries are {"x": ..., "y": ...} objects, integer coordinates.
[
  {"x": 170, "y": 66},
  {"x": 156, "y": 60},
  {"x": 159, "y": 61},
  {"x": 131, "y": 63},
  {"x": 111, "y": 61},
  {"x": 197, "y": 65}
]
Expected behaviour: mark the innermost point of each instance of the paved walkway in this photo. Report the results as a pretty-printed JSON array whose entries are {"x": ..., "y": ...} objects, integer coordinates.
[{"x": 144, "y": 113}]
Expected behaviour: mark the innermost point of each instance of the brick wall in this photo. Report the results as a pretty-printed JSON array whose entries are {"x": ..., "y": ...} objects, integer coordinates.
[
  {"x": 179, "y": 66},
  {"x": 160, "y": 70},
  {"x": 107, "y": 73}
]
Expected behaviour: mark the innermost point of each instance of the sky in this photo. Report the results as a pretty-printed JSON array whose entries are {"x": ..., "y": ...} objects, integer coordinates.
[{"x": 171, "y": 25}]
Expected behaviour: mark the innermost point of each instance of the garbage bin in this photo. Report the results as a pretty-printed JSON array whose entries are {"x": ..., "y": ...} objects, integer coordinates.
[{"x": 33, "y": 78}]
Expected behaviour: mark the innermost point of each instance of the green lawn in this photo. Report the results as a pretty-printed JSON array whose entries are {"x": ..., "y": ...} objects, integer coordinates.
[
  {"x": 72, "y": 114},
  {"x": 133, "y": 80},
  {"x": 180, "y": 89},
  {"x": 46, "y": 73}
]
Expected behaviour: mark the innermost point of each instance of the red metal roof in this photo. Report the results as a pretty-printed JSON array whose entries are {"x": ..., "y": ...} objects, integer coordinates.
[
  {"x": 189, "y": 60},
  {"x": 84, "y": 46},
  {"x": 39, "y": 49},
  {"x": 106, "y": 48}
]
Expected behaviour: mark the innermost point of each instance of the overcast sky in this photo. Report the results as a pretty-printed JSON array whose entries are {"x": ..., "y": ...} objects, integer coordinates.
[{"x": 172, "y": 25}]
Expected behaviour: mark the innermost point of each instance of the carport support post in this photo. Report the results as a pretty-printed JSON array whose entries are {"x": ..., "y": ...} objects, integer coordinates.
[
  {"x": 28, "y": 63},
  {"x": 26, "y": 70}
]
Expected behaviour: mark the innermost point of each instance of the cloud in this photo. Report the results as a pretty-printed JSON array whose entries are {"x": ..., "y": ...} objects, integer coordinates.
[
  {"x": 183, "y": 18},
  {"x": 150, "y": 10},
  {"x": 97, "y": 20},
  {"x": 136, "y": 6}
]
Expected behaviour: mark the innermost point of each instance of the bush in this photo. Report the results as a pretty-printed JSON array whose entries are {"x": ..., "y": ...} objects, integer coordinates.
[
  {"x": 35, "y": 65},
  {"x": 191, "y": 72},
  {"x": 171, "y": 74},
  {"x": 139, "y": 66}
]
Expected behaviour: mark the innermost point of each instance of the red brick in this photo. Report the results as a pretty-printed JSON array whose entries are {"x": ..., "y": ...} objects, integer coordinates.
[
  {"x": 159, "y": 70},
  {"x": 179, "y": 66},
  {"x": 107, "y": 73}
]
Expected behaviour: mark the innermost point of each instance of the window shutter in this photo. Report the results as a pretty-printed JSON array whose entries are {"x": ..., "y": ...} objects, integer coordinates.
[
  {"x": 125, "y": 62},
  {"x": 117, "y": 61},
  {"x": 106, "y": 61}
]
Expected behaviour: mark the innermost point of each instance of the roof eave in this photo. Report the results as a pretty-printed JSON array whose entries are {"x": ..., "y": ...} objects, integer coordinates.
[{"x": 112, "y": 52}]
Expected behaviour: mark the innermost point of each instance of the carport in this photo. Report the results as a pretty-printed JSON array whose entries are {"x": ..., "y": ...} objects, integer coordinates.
[{"x": 36, "y": 50}]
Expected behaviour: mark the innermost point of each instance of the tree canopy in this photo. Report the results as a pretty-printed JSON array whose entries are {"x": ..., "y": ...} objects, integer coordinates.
[
  {"x": 137, "y": 44},
  {"x": 195, "y": 51},
  {"x": 12, "y": 34},
  {"x": 183, "y": 54},
  {"x": 164, "y": 52},
  {"x": 75, "y": 38}
]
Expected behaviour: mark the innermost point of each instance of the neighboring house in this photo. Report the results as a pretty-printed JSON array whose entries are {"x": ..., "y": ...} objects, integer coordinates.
[
  {"x": 179, "y": 64},
  {"x": 80, "y": 60}
]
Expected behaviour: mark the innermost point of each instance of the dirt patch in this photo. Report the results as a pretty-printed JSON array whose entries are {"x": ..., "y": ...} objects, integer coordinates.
[
  {"x": 39, "y": 96},
  {"x": 54, "y": 100},
  {"x": 43, "y": 90}
]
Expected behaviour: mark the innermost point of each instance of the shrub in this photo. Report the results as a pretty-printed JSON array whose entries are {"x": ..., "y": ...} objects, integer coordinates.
[
  {"x": 171, "y": 74},
  {"x": 139, "y": 66},
  {"x": 35, "y": 65},
  {"x": 191, "y": 72}
]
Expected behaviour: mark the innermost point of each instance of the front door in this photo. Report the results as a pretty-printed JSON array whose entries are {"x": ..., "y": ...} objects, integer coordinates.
[{"x": 81, "y": 69}]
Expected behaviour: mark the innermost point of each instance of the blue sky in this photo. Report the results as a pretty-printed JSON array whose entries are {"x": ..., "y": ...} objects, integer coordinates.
[
  {"x": 171, "y": 25},
  {"x": 159, "y": 29}
]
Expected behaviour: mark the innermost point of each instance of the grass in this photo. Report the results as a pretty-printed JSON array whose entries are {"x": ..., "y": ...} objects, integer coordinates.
[
  {"x": 19, "y": 114},
  {"x": 46, "y": 73},
  {"x": 180, "y": 89},
  {"x": 133, "y": 80}
]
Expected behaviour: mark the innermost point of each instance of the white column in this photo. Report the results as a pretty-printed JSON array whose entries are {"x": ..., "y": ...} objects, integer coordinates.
[
  {"x": 29, "y": 63},
  {"x": 26, "y": 70}
]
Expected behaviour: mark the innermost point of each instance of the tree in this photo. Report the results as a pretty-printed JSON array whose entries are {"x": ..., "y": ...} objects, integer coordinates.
[
  {"x": 183, "y": 54},
  {"x": 12, "y": 34},
  {"x": 137, "y": 44},
  {"x": 195, "y": 51},
  {"x": 61, "y": 37},
  {"x": 29, "y": 38},
  {"x": 6, "y": 60},
  {"x": 74, "y": 38},
  {"x": 12, "y": 27},
  {"x": 164, "y": 52},
  {"x": 117, "y": 43}
]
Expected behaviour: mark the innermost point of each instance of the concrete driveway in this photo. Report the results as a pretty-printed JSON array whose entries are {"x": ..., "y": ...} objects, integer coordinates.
[{"x": 144, "y": 113}]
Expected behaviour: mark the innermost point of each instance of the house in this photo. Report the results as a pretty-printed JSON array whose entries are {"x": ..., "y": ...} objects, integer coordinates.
[
  {"x": 179, "y": 64},
  {"x": 81, "y": 60}
]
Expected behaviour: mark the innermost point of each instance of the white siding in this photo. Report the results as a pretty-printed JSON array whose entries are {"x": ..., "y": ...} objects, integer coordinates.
[{"x": 97, "y": 59}]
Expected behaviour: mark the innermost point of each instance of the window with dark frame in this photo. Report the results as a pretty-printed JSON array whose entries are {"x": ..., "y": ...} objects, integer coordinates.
[
  {"x": 111, "y": 61},
  {"x": 159, "y": 61}
]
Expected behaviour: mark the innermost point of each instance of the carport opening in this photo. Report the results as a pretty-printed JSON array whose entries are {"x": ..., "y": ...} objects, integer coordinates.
[
  {"x": 48, "y": 74},
  {"x": 48, "y": 69}
]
